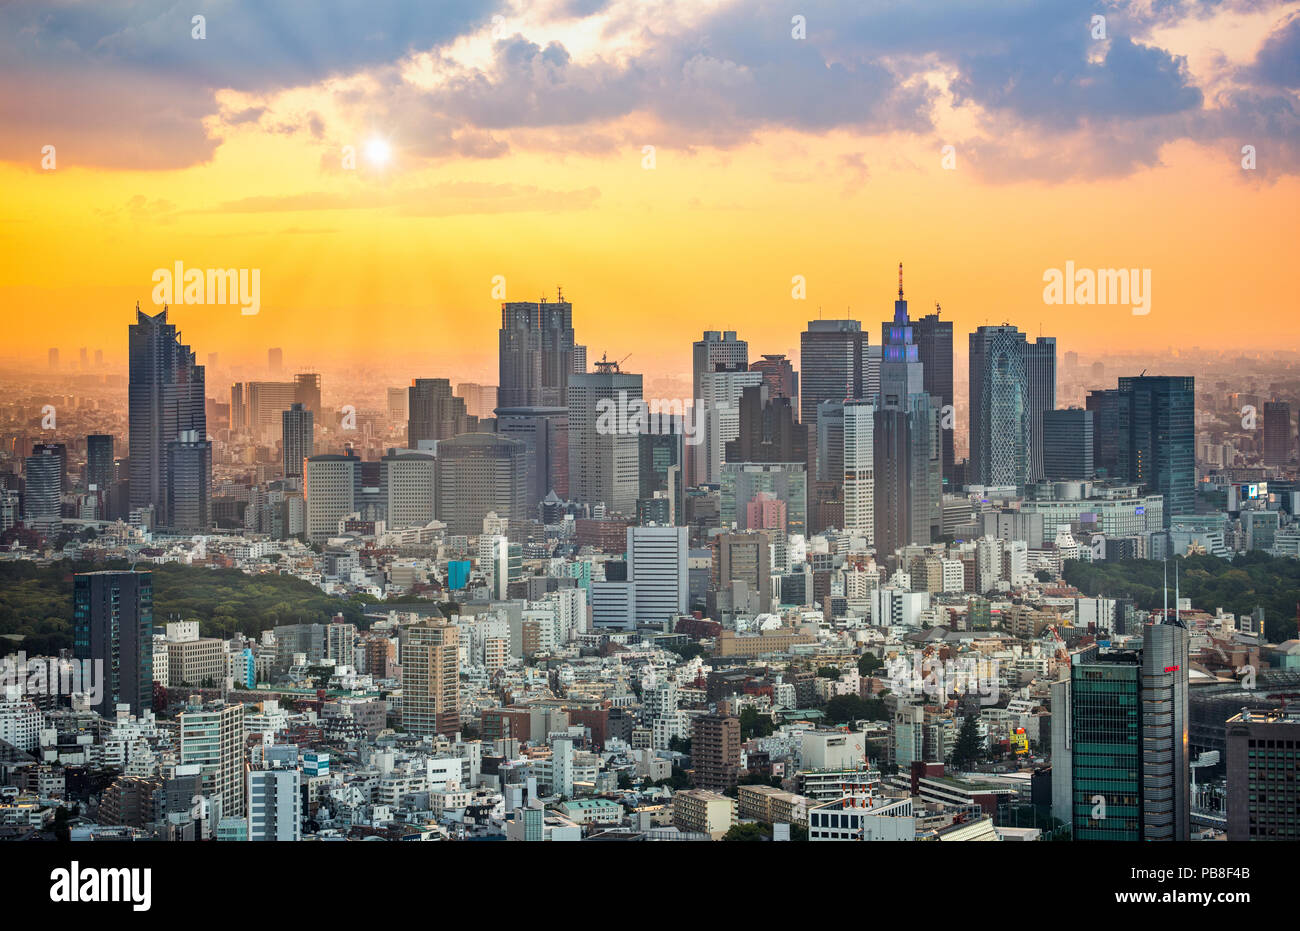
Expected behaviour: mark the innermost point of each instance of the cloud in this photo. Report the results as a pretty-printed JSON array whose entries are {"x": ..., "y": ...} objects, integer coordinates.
[{"x": 125, "y": 86}]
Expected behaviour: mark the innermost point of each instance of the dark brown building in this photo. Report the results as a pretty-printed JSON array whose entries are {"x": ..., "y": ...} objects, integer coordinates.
[{"x": 715, "y": 751}]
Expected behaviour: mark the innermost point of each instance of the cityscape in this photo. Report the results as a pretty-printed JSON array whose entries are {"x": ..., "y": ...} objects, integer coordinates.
[{"x": 756, "y": 534}]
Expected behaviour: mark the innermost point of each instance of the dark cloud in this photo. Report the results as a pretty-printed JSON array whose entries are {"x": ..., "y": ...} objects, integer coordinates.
[{"x": 1278, "y": 62}]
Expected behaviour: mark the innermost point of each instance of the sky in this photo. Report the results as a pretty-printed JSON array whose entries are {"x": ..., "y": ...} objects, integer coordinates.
[{"x": 799, "y": 153}]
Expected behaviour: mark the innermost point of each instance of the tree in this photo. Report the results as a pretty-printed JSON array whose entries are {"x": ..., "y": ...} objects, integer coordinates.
[
  {"x": 753, "y": 724},
  {"x": 869, "y": 663},
  {"x": 967, "y": 749},
  {"x": 747, "y": 832}
]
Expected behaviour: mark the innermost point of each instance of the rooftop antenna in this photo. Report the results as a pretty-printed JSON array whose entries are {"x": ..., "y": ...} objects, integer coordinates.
[
  {"x": 559, "y": 294},
  {"x": 900, "y": 281}
]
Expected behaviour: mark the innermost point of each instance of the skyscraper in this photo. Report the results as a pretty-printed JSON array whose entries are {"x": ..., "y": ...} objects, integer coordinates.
[
  {"x": 832, "y": 363},
  {"x": 1162, "y": 438},
  {"x": 430, "y": 679},
  {"x": 434, "y": 413},
  {"x": 714, "y": 348},
  {"x": 769, "y": 429},
  {"x": 536, "y": 353},
  {"x": 1067, "y": 444},
  {"x": 1040, "y": 371},
  {"x": 933, "y": 339},
  {"x": 603, "y": 450},
  {"x": 99, "y": 462},
  {"x": 165, "y": 398},
  {"x": 999, "y": 407},
  {"x": 1128, "y": 739},
  {"x": 907, "y": 452},
  {"x": 718, "y": 416},
  {"x": 478, "y": 473},
  {"x": 782, "y": 380},
  {"x": 189, "y": 506},
  {"x": 656, "y": 563},
  {"x": 330, "y": 486},
  {"x": 112, "y": 625},
  {"x": 544, "y": 431},
  {"x": 299, "y": 438},
  {"x": 661, "y": 457},
  {"x": 859, "y": 470},
  {"x": 408, "y": 485},
  {"x": 43, "y": 487},
  {"x": 307, "y": 392},
  {"x": 275, "y": 360},
  {"x": 1277, "y": 433}
]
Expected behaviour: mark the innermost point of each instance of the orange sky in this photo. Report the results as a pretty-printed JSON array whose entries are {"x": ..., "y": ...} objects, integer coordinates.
[{"x": 397, "y": 262}]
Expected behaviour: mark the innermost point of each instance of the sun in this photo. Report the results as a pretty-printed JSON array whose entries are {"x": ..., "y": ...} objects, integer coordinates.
[{"x": 379, "y": 152}]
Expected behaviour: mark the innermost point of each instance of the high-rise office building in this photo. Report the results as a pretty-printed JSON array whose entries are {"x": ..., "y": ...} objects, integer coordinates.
[
  {"x": 781, "y": 378},
  {"x": 536, "y": 353},
  {"x": 661, "y": 470},
  {"x": 478, "y": 473},
  {"x": 1040, "y": 372},
  {"x": 1111, "y": 432},
  {"x": 480, "y": 400},
  {"x": 1263, "y": 770},
  {"x": 54, "y": 358},
  {"x": 999, "y": 407},
  {"x": 1128, "y": 739},
  {"x": 604, "y": 463},
  {"x": 430, "y": 679},
  {"x": 1067, "y": 444},
  {"x": 769, "y": 429},
  {"x": 718, "y": 416},
  {"x": 330, "y": 487},
  {"x": 859, "y": 470},
  {"x": 189, "y": 485},
  {"x": 275, "y": 360},
  {"x": 307, "y": 392},
  {"x": 299, "y": 438},
  {"x": 934, "y": 347},
  {"x": 832, "y": 364},
  {"x": 1277, "y": 433},
  {"x": 99, "y": 465},
  {"x": 544, "y": 431},
  {"x": 657, "y": 567},
  {"x": 165, "y": 398},
  {"x": 1162, "y": 438},
  {"x": 212, "y": 738},
  {"x": 434, "y": 413},
  {"x": 745, "y": 557},
  {"x": 783, "y": 482},
  {"x": 43, "y": 487},
  {"x": 262, "y": 403},
  {"x": 408, "y": 485},
  {"x": 112, "y": 625},
  {"x": 716, "y": 348}
]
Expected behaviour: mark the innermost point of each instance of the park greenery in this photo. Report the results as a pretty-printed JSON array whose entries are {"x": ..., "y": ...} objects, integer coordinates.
[
  {"x": 36, "y": 601},
  {"x": 1240, "y": 586}
]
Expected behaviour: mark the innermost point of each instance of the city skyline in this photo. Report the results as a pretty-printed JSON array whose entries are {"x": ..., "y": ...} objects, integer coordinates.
[{"x": 417, "y": 237}]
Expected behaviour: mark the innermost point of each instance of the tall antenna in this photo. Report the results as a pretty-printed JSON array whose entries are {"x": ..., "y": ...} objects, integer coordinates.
[{"x": 900, "y": 281}]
